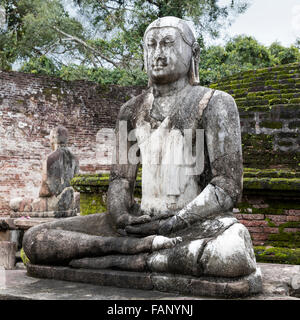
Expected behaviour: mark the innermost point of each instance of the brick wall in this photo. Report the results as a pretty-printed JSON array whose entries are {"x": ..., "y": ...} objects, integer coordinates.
[
  {"x": 269, "y": 107},
  {"x": 30, "y": 106}
]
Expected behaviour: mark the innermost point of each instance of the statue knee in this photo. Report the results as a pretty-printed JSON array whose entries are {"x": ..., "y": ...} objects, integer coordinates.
[
  {"x": 230, "y": 254},
  {"x": 33, "y": 242}
]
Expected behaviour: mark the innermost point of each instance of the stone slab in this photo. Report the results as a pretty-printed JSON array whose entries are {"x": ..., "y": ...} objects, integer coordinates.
[
  {"x": 24, "y": 223},
  {"x": 7, "y": 223},
  {"x": 204, "y": 286},
  {"x": 7, "y": 254},
  {"x": 44, "y": 214},
  {"x": 17, "y": 285},
  {"x": 10, "y": 235},
  {"x": 280, "y": 279},
  {"x": 5, "y": 235},
  {"x": 122, "y": 279}
]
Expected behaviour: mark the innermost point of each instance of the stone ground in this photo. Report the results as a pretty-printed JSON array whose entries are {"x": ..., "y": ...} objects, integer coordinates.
[{"x": 280, "y": 282}]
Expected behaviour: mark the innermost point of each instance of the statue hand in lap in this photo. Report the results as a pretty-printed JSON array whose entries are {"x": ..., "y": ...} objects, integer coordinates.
[{"x": 162, "y": 226}]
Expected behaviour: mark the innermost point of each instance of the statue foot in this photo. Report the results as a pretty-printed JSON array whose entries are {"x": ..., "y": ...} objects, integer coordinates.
[{"x": 161, "y": 242}]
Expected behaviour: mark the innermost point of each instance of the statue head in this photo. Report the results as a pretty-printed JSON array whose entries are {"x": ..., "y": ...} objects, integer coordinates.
[
  {"x": 171, "y": 51},
  {"x": 58, "y": 137}
]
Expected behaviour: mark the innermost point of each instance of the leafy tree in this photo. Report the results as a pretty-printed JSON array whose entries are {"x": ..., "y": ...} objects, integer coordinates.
[
  {"x": 242, "y": 53},
  {"x": 36, "y": 28},
  {"x": 41, "y": 65},
  {"x": 121, "y": 23},
  {"x": 103, "y": 76},
  {"x": 101, "y": 40},
  {"x": 284, "y": 55}
]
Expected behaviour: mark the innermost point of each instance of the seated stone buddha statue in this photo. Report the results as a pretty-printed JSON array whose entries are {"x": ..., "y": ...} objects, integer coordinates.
[
  {"x": 184, "y": 224},
  {"x": 56, "y": 196}
]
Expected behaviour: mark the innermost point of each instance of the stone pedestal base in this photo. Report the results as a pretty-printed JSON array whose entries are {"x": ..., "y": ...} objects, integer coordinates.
[
  {"x": 203, "y": 286},
  {"x": 43, "y": 214}
]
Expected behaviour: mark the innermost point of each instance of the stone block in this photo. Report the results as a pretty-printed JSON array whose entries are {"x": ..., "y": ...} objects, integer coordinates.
[
  {"x": 271, "y": 230},
  {"x": 171, "y": 283},
  {"x": 259, "y": 236},
  {"x": 7, "y": 254},
  {"x": 237, "y": 289},
  {"x": 211, "y": 288},
  {"x": 277, "y": 218},
  {"x": 39, "y": 205},
  {"x": 25, "y": 205},
  {"x": 255, "y": 229},
  {"x": 293, "y": 218},
  {"x": 25, "y": 224},
  {"x": 10, "y": 235},
  {"x": 5, "y": 235},
  {"x": 121, "y": 279},
  {"x": 7, "y": 223},
  {"x": 253, "y": 216},
  {"x": 203, "y": 286}
]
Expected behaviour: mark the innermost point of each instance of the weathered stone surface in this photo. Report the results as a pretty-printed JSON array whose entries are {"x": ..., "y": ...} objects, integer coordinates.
[
  {"x": 237, "y": 289},
  {"x": 279, "y": 279},
  {"x": 208, "y": 287},
  {"x": 230, "y": 254},
  {"x": 7, "y": 223},
  {"x": 16, "y": 284},
  {"x": 172, "y": 283},
  {"x": 122, "y": 279},
  {"x": 23, "y": 223},
  {"x": 130, "y": 263},
  {"x": 7, "y": 254},
  {"x": 10, "y": 235},
  {"x": 45, "y": 214},
  {"x": 203, "y": 287},
  {"x": 191, "y": 203},
  {"x": 4, "y": 235},
  {"x": 56, "y": 197}
]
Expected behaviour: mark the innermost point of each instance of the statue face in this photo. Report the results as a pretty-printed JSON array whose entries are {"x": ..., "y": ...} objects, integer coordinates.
[{"x": 168, "y": 55}]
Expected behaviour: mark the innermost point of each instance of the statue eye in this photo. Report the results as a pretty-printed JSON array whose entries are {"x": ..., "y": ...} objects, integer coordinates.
[
  {"x": 151, "y": 43},
  {"x": 169, "y": 41}
]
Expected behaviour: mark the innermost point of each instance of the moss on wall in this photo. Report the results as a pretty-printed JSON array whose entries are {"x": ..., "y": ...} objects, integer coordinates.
[
  {"x": 24, "y": 258},
  {"x": 286, "y": 239},
  {"x": 277, "y": 255},
  {"x": 92, "y": 203},
  {"x": 269, "y": 103}
]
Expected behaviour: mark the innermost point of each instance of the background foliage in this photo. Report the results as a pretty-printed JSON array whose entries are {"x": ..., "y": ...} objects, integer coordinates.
[{"x": 101, "y": 40}]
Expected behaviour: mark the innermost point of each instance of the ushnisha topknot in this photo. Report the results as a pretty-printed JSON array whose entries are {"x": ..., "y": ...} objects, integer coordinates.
[{"x": 180, "y": 24}]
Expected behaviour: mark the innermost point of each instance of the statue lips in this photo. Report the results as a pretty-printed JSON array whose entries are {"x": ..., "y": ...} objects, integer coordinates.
[
  {"x": 159, "y": 67},
  {"x": 159, "y": 64}
]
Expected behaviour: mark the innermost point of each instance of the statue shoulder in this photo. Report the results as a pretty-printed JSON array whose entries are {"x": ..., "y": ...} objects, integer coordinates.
[
  {"x": 52, "y": 158},
  {"x": 223, "y": 100},
  {"x": 132, "y": 107},
  {"x": 56, "y": 155},
  {"x": 221, "y": 105}
]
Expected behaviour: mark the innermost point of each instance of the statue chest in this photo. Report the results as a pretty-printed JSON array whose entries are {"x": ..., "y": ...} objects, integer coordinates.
[{"x": 172, "y": 159}]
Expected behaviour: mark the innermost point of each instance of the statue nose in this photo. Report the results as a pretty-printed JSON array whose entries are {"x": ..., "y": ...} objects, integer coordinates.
[{"x": 159, "y": 53}]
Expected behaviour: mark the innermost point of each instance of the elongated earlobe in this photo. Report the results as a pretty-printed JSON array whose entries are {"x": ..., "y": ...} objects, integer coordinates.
[{"x": 194, "y": 68}]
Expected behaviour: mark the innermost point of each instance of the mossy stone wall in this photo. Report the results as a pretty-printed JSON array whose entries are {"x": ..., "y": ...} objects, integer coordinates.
[{"x": 269, "y": 105}]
